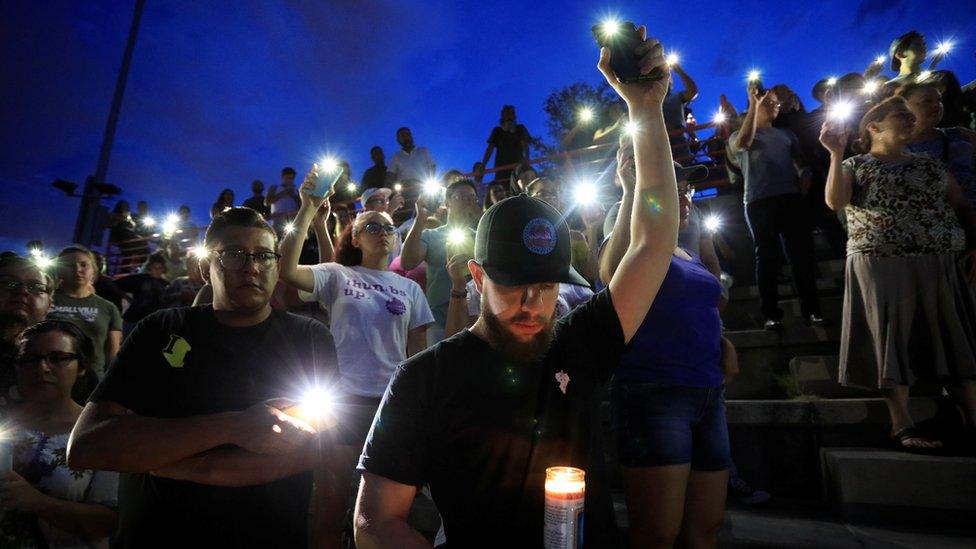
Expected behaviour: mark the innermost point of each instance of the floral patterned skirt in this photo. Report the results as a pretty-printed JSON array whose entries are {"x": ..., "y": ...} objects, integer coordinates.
[{"x": 906, "y": 317}]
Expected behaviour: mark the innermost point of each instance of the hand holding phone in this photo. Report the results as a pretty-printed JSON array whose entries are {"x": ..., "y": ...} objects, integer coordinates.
[
  {"x": 622, "y": 39},
  {"x": 327, "y": 175}
]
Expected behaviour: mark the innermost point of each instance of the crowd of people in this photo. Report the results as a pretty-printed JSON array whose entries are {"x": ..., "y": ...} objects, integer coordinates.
[{"x": 396, "y": 335}]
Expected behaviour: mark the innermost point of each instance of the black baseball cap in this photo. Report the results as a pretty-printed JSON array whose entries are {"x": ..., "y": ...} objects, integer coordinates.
[{"x": 523, "y": 240}]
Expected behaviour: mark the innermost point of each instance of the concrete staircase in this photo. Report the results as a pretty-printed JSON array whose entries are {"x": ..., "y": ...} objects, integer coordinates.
[
  {"x": 799, "y": 434},
  {"x": 868, "y": 485}
]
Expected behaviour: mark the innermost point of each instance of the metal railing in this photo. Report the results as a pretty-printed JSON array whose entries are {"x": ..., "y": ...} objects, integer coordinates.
[{"x": 125, "y": 257}]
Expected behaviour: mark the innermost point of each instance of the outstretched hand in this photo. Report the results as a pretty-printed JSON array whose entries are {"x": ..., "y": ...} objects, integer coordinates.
[{"x": 646, "y": 92}]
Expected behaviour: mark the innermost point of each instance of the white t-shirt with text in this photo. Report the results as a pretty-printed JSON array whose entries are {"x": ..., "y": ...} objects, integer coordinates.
[{"x": 371, "y": 313}]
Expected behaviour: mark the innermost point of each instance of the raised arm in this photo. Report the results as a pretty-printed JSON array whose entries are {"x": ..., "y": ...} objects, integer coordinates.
[
  {"x": 690, "y": 91},
  {"x": 457, "y": 308},
  {"x": 414, "y": 250},
  {"x": 840, "y": 183},
  {"x": 320, "y": 224},
  {"x": 654, "y": 217},
  {"x": 301, "y": 276},
  {"x": 381, "y": 514},
  {"x": 743, "y": 140},
  {"x": 616, "y": 247}
]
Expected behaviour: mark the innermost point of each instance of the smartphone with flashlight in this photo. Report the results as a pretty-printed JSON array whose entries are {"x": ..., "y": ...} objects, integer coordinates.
[
  {"x": 622, "y": 39},
  {"x": 432, "y": 199},
  {"x": 328, "y": 176}
]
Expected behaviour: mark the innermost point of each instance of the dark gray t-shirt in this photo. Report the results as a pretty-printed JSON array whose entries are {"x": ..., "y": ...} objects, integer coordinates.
[
  {"x": 767, "y": 166},
  {"x": 95, "y": 316}
]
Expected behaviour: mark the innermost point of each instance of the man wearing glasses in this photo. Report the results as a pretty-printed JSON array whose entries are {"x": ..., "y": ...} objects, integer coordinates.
[
  {"x": 25, "y": 297},
  {"x": 192, "y": 410},
  {"x": 776, "y": 178}
]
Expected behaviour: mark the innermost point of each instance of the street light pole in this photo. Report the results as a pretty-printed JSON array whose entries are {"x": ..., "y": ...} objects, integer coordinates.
[{"x": 86, "y": 226}]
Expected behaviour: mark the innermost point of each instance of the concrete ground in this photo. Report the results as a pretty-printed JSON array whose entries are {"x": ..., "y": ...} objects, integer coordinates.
[{"x": 812, "y": 525}]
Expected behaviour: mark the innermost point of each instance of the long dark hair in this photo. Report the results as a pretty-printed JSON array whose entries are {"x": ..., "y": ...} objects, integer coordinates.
[
  {"x": 220, "y": 197},
  {"x": 347, "y": 254}
]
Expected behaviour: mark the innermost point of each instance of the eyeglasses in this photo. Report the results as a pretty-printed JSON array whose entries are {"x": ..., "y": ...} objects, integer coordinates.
[
  {"x": 32, "y": 286},
  {"x": 376, "y": 228},
  {"x": 234, "y": 260},
  {"x": 57, "y": 359}
]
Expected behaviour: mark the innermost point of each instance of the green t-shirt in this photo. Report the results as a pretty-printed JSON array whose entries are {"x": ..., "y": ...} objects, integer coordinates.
[{"x": 95, "y": 316}]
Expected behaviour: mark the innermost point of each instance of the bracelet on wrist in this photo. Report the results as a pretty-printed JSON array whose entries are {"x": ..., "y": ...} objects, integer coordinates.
[{"x": 460, "y": 294}]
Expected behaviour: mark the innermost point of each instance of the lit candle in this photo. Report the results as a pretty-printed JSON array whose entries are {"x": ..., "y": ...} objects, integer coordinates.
[{"x": 565, "y": 491}]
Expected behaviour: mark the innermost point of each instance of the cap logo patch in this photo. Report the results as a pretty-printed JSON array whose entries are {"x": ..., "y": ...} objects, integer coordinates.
[{"x": 539, "y": 236}]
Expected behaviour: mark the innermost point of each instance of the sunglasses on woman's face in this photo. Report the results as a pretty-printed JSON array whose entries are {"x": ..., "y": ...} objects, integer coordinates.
[{"x": 376, "y": 228}]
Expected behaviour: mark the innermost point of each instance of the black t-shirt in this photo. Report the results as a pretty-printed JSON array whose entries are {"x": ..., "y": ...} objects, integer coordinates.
[
  {"x": 147, "y": 295},
  {"x": 106, "y": 288},
  {"x": 182, "y": 362},
  {"x": 508, "y": 144},
  {"x": 482, "y": 430},
  {"x": 257, "y": 204},
  {"x": 375, "y": 177}
]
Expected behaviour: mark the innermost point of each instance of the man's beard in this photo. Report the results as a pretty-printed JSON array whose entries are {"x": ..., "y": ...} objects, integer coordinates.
[{"x": 511, "y": 348}]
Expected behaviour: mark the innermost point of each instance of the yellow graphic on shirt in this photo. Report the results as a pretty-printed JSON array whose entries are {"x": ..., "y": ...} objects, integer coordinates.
[{"x": 175, "y": 351}]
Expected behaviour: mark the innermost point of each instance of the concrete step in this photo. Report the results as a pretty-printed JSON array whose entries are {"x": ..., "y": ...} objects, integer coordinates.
[
  {"x": 746, "y": 314},
  {"x": 764, "y": 357},
  {"x": 870, "y": 485},
  {"x": 825, "y": 286},
  {"x": 816, "y": 376},
  {"x": 800, "y": 524},
  {"x": 776, "y": 443}
]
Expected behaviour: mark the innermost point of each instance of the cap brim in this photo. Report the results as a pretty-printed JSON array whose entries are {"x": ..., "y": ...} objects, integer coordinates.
[{"x": 570, "y": 276}]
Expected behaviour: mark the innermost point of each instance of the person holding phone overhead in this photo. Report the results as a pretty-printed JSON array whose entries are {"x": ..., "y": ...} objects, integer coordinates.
[
  {"x": 381, "y": 319},
  {"x": 481, "y": 415}
]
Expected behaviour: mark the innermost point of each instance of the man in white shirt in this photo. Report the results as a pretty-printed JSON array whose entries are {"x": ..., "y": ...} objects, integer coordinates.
[{"x": 411, "y": 163}]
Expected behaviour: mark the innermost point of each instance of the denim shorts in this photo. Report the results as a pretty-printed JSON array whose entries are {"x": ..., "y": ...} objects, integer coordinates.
[{"x": 657, "y": 425}]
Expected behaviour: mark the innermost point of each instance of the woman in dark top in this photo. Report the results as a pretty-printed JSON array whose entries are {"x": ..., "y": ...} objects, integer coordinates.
[
  {"x": 224, "y": 200},
  {"x": 667, "y": 398},
  {"x": 511, "y": 140},
  {"x": 44, "y": 502}
]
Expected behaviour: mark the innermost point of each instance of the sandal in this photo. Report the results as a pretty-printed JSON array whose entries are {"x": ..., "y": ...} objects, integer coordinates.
[{"x": 899, "y": 438}]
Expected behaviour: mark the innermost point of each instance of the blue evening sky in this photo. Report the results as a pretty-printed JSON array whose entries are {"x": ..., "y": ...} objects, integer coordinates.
[{"x": 224, "y": 92}]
